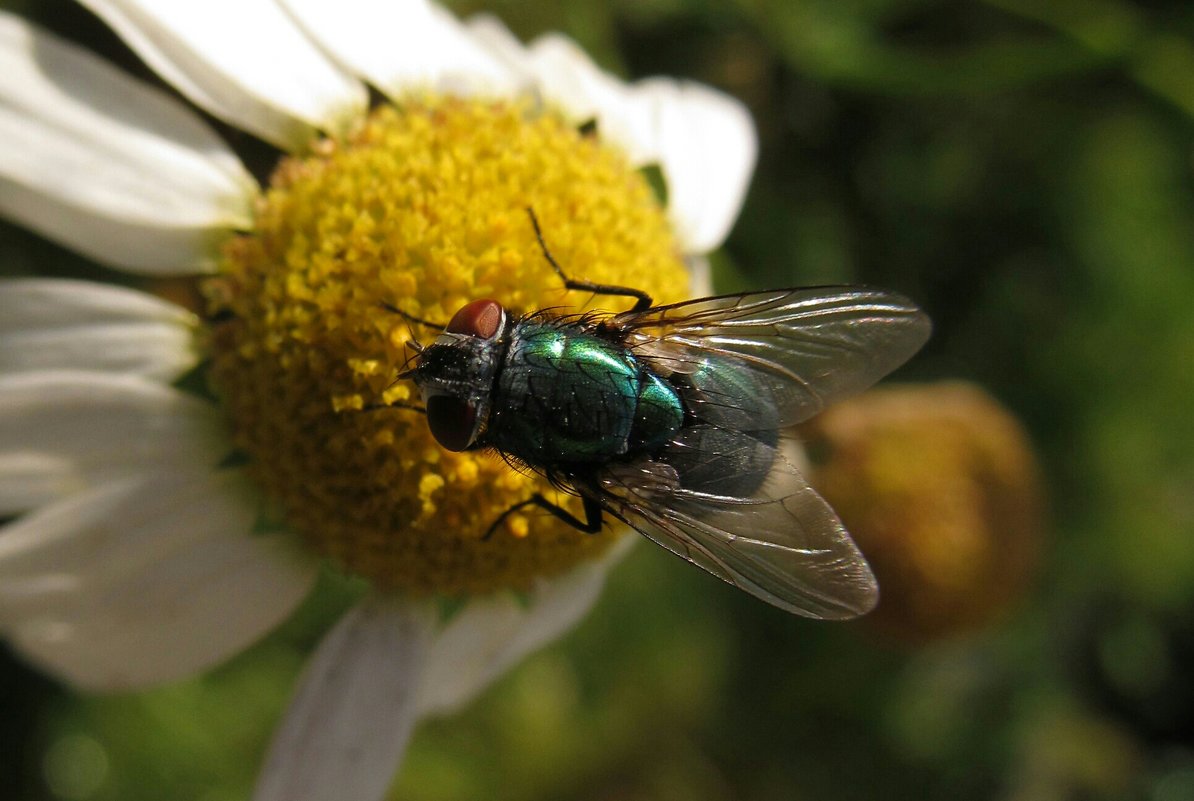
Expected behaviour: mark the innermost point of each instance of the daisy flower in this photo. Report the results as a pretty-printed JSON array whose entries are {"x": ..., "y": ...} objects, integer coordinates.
[{"x": 175, "y": 480}]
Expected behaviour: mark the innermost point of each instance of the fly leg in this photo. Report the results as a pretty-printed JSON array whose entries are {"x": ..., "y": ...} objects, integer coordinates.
[
  {"x": 590, "y": 525},
  {"x": 390, "y": 307},
  {"x": 642, "y": 299},
  {"x": 414, "y": 407}
]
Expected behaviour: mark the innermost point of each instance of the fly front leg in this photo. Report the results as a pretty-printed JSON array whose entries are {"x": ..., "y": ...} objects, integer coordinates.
[
  {"x": 590, "y": 525},
  {"x": 375, "y": 407},
  {"x": 642, "y": 299},
  {"x": 390, "y": 307}
]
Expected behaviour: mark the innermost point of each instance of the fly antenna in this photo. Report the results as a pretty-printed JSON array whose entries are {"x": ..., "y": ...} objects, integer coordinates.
[{"x": 406, "y": 372}]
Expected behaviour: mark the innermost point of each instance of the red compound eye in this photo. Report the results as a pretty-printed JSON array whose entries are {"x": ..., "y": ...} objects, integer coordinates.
[
  {"x": 481, "y": 318},
  {"x": 451, "y": 421}
]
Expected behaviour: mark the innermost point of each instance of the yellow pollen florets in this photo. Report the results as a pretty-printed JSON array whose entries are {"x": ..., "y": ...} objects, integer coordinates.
[{"x": 422, "y": 207}]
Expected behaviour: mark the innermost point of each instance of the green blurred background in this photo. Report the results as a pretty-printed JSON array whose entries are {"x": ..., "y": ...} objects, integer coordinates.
[{"x": 1020, "y": 167}]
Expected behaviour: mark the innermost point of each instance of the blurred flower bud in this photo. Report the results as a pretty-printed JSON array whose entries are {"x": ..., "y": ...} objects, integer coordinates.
[{"x": 939, "y": 487}]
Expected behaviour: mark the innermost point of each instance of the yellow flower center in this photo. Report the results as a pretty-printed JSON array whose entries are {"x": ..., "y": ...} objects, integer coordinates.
[{"x": 422, "y": 207}]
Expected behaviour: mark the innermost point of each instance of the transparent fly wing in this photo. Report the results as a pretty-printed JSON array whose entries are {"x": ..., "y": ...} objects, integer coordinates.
[
  {"x": 802, "y": 348},
  {"x": 782, "y": 543}
]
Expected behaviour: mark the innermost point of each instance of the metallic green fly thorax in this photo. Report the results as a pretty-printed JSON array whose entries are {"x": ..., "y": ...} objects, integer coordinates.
[{"x": 566, "y": 395}]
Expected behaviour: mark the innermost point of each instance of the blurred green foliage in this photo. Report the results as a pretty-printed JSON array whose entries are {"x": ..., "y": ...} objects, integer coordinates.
[{"x": 1021, "y": 168}]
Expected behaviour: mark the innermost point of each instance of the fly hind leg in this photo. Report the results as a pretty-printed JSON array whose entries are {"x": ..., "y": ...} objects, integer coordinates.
[
  {"x": 590, "y": 525},
  {"x": 642, "y": 299}
]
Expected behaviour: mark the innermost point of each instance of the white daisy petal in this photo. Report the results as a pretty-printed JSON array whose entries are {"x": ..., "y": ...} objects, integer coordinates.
[
  {"x": 700, "y": 275},
  {"x": 245, "y": 61},
  {"x": 64, "y": 431},
  {"x": 48, "y": 324},
  {"x": 28, "y": 480},
  {"x": 569, "y": 78},
  {"x": 503, "y": 46},
  {"x": 399, "y": 46},
  {"x": 146, "y": 581},
  {"x": 492, "y": 634},
  {"x": 703, "y": 140},
  {"x": 707, "y": 148},
  {"x": 148, "y": 247},
  {"x": 107, "y": 165},
  {"x": 345, "y": 732},
  {"x": 103, "y": 533}
]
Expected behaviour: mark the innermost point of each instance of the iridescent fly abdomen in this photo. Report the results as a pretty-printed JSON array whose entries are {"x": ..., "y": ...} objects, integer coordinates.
[{"x": 567, "y": 395}]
